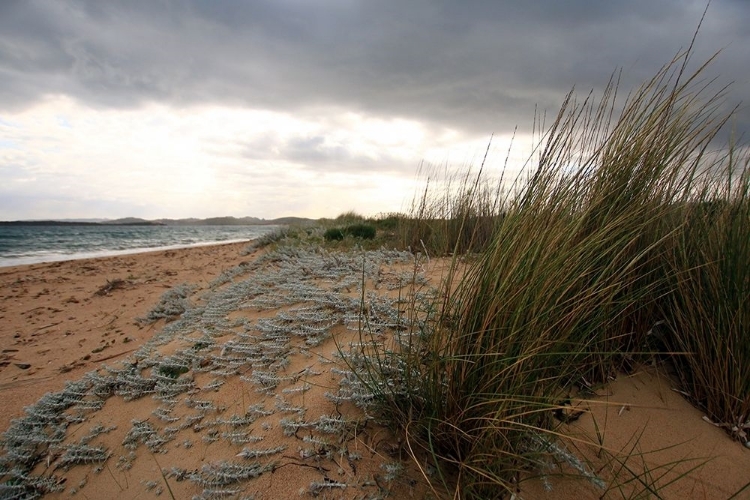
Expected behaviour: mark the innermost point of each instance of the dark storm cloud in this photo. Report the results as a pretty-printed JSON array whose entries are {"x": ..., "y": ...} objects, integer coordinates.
[{"x": 472, "y": 65}]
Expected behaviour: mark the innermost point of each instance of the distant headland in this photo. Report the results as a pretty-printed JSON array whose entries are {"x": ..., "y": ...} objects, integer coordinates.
[{"x": 135, "y": 221}]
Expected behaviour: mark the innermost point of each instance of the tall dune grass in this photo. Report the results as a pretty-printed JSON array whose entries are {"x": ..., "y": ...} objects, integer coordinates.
[
  {"x": 708, "y": 308},
  {"x": 612, "y": 236},
  {"x": 458, "y": 215}
]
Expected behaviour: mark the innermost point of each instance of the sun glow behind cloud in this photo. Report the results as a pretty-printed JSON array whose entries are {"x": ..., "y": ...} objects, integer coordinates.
[{"x": 64, "y": 159}]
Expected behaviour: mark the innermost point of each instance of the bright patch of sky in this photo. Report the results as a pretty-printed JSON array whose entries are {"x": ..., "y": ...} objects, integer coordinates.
[{"x": 156, "y": 161}]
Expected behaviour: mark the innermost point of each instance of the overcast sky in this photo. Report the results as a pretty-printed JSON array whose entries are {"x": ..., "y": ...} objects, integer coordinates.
[{"x": 166, "y": 108}]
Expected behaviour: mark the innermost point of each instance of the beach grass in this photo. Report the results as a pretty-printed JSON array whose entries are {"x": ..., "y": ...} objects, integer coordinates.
[
  {"x": 629, "y": 240},
  {"x": 707, "y": 312}
]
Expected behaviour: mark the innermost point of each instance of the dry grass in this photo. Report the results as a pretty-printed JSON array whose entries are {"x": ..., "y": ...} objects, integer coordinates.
[{"x": 626, "y": 224}]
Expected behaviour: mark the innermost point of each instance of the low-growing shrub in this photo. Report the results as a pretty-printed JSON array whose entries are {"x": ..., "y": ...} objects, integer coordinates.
[
  {"x": 364, "y": 231},
  {"x": 333, "y": 234},
  {"x": 171, "y": 305},
  {"x": 359, "y": 230}
]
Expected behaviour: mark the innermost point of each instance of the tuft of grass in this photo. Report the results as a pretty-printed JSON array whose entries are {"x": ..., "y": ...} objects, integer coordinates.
[
  {"x": 708, "y": 308},
  {"x": 610, "y": 236},
  {"x": 348, "y": 218},
  {"x": 454, "y": 214},
  {"x": 361, "y": 230}
]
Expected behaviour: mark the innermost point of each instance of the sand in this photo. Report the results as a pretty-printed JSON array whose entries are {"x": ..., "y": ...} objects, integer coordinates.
[
  {"x": 246, "y": 394},
  {"x": 237, "y": 398},
  {"x": 63, "y": 319},
  {"x": 640, "y": 422}
]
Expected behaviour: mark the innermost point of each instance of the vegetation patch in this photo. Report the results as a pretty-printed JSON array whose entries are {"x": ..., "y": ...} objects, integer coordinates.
[
  {"x": 364, "y": 231},
  {"x": 171, "y": 305},
  {"x": 173, "y": 371},
  {"x": 627, "y": 240},
  {"x": 333, "y": 234}
]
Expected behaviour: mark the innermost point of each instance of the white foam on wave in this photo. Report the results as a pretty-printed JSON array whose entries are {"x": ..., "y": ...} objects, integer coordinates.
[{"x": 41, "y": 257}]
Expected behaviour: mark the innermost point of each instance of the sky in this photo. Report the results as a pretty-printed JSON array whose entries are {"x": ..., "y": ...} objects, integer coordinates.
[{"x": 196, "y": 108}]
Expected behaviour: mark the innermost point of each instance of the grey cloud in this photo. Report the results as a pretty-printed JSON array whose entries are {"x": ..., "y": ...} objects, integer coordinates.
[
  {"x": 480, "y": 66},
  {"x": 316, "y": 153},
  {"x": 39, "y": 204}
]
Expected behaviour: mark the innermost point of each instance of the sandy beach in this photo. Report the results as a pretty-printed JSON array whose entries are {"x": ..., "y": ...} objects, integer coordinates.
[
  {"x": 63, "y": 319},
  {"x": 247, "y": 393},
  {"x": 247, "y": 405}
]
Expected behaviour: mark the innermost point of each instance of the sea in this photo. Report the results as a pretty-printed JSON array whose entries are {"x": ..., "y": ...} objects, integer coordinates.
[{"x": 31, "y": 244}]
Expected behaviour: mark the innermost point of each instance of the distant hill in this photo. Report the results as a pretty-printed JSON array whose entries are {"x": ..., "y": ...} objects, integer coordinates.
[
  {"x": 124, "y": 222},
  {"x": 46, "y": 223},
  {"x": 234, "y": 221},
  {"x": 301, "y": 221},
  {"x": 136, "y": 221},
  {"x": 131, "y": 221},
  {"x": 214, "y": 221}
]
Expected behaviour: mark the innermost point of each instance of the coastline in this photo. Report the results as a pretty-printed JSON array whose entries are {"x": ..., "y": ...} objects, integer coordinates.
[
  {"x": 28, "y": 244},
  {"x": 51, "y": 257}
]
